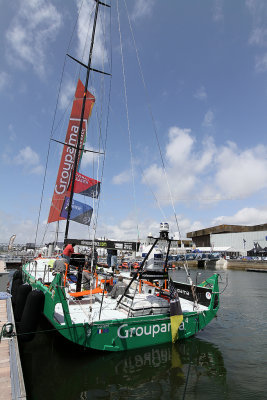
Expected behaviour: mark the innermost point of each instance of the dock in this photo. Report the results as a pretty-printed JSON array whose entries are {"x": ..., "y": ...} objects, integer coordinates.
[
  {"x": 11, "y": 375},
  {"x": 222, "y": 264},
  {"x": 251, "y": 266}
]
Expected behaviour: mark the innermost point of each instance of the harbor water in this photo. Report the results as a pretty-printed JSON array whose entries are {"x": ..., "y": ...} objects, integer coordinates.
[{"x": 228, "y": 360}]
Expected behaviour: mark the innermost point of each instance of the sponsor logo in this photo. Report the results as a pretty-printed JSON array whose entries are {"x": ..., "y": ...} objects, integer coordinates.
[
  {"x": 183, "y": 291},
  {"x": 148, "y": 330},
  {"x": 181, "y": 327},
  {"x": 82, "y": 179},
  {"x": 127, "y": 246},
  {"x": 208, "y": 295},
  {"x": 102, "y": 244},
  {"x": 68, "y": 158}
]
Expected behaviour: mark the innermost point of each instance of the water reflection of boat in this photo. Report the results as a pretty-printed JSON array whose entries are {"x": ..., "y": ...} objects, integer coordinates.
[{"x": 141, "y": 373}]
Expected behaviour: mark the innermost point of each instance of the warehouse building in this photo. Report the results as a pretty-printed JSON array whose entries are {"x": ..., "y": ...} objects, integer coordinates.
[{"x": 240, "y": 238}]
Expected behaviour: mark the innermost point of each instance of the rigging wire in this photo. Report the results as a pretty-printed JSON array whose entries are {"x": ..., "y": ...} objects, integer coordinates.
[
  {"x": 102, "y": 138},
  {"x": 153, "y": 120},
  {"x": 99, "y": 115},
  {"x": 153, "y": 194},
  {"x": 53, "y": 128},
  {"x": 147, "y": 184},
  {"x": 128, "y": 121},
  {"x": 99, "y": 118},
  {"x": 90, "y": 79},
  {"x": 157, "y": 139},
  {"x": 107, "y": 126}
]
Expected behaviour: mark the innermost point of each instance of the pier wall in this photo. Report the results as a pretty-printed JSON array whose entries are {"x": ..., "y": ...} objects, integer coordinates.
[
  {"x": 257, "y": 266},
  {"x": 247, "y": 265}
]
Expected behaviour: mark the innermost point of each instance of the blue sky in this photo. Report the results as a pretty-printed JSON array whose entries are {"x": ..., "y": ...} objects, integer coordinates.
[{"x": 204, "y": 65}]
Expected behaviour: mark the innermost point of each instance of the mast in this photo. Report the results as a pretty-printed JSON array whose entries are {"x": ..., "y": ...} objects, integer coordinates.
[{"x": 81, "y": 120}]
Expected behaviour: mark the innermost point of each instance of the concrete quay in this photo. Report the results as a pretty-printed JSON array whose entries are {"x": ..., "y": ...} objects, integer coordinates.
[
  {"x": 241, "y": 265},
  {"x": 256, "y": 266},
  {"x": 11, "y": 376}
]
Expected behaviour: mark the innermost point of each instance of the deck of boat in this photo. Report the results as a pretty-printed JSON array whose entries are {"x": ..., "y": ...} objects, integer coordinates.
[{"x": 99, "y": 307}]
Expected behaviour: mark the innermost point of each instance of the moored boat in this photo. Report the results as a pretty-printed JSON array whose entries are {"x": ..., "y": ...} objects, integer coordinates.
[
  {"x": 152, "y": 309},
  {"x": 93, "y": 319}
]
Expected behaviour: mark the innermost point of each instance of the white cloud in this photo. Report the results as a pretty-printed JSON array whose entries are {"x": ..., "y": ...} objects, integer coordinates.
[
  {"x": 127, "y": 228},
  {"x": 183, "y": 165},
  {"x": 179, "y": 139},
  {"x": 241, "y": 173},
  {"x": 4, "y": 80},
  {"x": 121, "y": 178},
  {"x": 29, "y": 160},
  {"x": 258, "y": 35},
  {"x": 12, "y": 135},
  {"x": 206, "y": 172},
  {"x": 245, "y": 216},
  {"x": 236, "y": 174},
  {"x": 90, "y": 158},
  {"x": 209, "y": 193},
  {"x": 37, "y": 170},
  {"x": 26, "y": 156},
  {"x": 66, "y": 94},
  {"x": 218, "y": 10},
  {"x": 261, "y": 63},
  {"x": 257, "y": 9},
  {"x": 100, "y": 55},
  {"x": 25, "y": 229},
  {"x": 9, "y": 226},
  {"x": 201, "y": 93},
  {"x": 142, "y": 8},
  {"x": 33, "y": 27},
  {"x": 208, "y": 119}
]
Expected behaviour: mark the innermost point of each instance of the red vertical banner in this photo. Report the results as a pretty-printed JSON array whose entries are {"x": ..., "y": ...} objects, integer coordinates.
[{"x": 68, "y": 154}]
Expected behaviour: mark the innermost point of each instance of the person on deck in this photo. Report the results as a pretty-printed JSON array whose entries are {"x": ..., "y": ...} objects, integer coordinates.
[
  {"x": 92, "y": 258},
  {"x": 114, "y": 259},
  {"x": 109, "y": 255},
  {"x": 59, "y": 266},
  {"x": 118, "y": 288},
  {"x": 68, "y": 251},
  {"x": 87, "y": 279}
]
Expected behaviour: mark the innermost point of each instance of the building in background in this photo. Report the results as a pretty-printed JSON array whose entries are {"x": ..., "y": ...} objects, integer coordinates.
[{"x": 240, "y": 238}]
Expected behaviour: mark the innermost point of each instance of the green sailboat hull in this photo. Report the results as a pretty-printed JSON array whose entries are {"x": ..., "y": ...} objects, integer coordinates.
[{"x": 121, "y": 334}]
